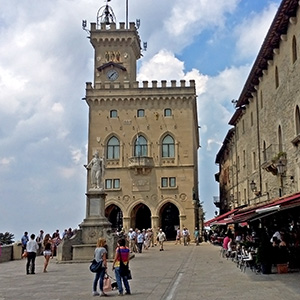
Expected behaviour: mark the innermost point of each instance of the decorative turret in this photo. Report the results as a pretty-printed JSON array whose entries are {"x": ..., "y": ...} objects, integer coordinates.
[{"x": 116, "y": 48}]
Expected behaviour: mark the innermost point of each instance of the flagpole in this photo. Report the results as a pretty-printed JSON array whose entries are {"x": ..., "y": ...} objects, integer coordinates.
[{"x": 126, "y": 14}]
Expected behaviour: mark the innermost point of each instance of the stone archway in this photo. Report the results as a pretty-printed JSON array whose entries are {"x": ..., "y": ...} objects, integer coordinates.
[
  {"x": 169, "y": 216},
  {"x": 115, "y": 216},
  {"x": 141, "y": 217}
]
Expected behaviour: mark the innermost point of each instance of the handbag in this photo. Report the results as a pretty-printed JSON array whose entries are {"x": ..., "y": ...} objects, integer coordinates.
[
  {"x": 124, "y": 269},
  {"x": 95, "y": 266},
  {"x": 106, "y": 283},
  {"x": 129, "y": 277}
]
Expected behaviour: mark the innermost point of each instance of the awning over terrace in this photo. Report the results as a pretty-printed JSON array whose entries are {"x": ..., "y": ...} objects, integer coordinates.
[
  {"x": 220, "y": 218},
  {"x": 248, "y": 214}
]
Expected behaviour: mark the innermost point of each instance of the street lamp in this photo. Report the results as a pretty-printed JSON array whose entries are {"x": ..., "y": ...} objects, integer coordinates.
[
  {"x": 254, "y": 189},
  {"x": 281, "y": 168},
  {"x": 253, "y": 186}
]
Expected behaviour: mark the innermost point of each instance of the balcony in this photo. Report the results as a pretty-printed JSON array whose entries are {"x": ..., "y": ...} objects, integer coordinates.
[
  {"x": 141, "y": 164},
  {"x": 271, "y": 158}
]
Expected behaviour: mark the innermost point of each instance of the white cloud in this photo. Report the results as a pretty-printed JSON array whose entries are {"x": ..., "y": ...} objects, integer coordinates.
[
  {"x": 77, "y": 156},
  {"x": 211, "y": 143},
  {"x": 162, "y": 66},
  {"x": 251, "y": 33},
  {"x": 189, "y": 19},
  {"x": 6, "y": 161}
]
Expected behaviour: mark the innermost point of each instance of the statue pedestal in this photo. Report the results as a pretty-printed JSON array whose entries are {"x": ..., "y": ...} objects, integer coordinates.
[{"x": 94, "y": 226}]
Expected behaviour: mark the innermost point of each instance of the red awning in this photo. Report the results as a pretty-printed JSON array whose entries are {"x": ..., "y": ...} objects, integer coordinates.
[
  {"x": 286, "y": 201},
  {"x": 265, "y": 210},
  {"x": 220, "y": 217},
  {"x": 240, "y": 215}
]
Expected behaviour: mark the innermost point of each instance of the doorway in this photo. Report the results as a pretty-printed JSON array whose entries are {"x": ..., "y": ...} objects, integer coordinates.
[
  {"x": 141, "y": 217},
  {"x": 115, "y": 216},
  {"x": 170, "y": 220}
]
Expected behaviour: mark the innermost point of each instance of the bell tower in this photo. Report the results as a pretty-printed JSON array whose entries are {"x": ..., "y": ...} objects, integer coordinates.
[{"x": 116, "y": 49}]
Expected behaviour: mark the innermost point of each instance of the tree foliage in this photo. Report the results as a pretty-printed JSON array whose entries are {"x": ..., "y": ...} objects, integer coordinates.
[{"x": 6, "y": 238}]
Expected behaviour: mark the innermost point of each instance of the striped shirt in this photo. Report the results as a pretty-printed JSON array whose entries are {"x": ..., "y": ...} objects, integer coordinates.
[{"x": 124, "y": 254}]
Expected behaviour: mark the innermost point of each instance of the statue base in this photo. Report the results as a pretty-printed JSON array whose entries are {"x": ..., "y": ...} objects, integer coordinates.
[{"x": 81, "y": 247}]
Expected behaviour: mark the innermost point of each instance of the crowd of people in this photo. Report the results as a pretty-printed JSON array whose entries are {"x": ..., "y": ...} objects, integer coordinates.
[
  {"x": 42, "y": 244},
  {"x": 139, "y": 240},
  {"x": 261, "y": 247},
  {"x": 184, "y": 236},
  {"x": 133, "y": 241}
]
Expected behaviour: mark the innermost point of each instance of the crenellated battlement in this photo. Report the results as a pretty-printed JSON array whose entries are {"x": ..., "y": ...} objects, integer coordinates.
[
  {"x": 113, "y": 27},
  {"x": 107, "y": 85}
]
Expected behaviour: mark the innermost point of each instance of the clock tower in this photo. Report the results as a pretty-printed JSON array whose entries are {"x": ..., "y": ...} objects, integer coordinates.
[
  {"x": 116, "y": 52},
  {"x": 146, "y": 134}
]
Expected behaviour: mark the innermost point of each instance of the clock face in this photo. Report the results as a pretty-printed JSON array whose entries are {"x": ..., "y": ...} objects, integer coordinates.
[{"x": 112, "y": 75}]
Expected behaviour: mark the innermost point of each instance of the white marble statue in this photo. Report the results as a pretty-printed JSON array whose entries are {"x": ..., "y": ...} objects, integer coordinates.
[{"x": 97, "y": 170}]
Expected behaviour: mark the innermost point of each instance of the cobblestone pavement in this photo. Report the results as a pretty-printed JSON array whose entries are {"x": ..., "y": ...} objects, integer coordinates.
[{"x": 179, "y": 272}]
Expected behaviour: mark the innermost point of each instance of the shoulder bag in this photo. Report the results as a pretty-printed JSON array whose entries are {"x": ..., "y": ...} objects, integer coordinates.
[
  {"x": 95, "y": 266},
  {"x": 124, "y": 269}
]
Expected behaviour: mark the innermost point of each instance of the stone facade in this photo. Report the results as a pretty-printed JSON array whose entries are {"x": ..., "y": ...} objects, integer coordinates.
[
  {"x": 265, "y": 139},
  {"x": 147, "y": 134}
]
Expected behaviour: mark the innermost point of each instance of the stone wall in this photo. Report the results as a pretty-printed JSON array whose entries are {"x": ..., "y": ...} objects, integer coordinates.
[
  {"x": 6, "y": 253},
  {"x": 267, "y": 124}
]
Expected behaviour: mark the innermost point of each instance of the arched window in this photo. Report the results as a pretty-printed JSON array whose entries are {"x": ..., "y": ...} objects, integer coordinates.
[
  {"x": 280, "y": 146},
  {"x": 168, "y": 112},
  {"x": 294, "y": 49},
  {"x": 140, "y": 147},
  {"x": 276, "y": 78},
  {"x": 113, "y": 148},
  {"x": 297, "y": 120},
  {"x": 140, "y": 113},
  {"x": 261, "y": 100},
  {"x": 113, "y": 113},
  {"x": 168, "y": 147}
]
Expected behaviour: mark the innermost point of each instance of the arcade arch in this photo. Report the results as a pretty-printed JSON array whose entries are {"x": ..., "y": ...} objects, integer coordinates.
[
  {"x": 169, "y": 219},
  {"x": 140, "y": 217},
  {"x": 115, "y": 216}
]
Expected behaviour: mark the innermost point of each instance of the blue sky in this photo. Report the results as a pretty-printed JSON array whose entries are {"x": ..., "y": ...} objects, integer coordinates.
[{"x": 46, "y": 59}]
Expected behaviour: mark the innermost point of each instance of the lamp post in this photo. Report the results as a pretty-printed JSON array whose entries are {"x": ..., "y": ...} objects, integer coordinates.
[
  {"x": 281, "y": 168},
  {"x": 253, "y": 186}
]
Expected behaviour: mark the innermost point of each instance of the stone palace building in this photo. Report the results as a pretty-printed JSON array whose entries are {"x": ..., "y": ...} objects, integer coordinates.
[{"x": 146, "y": 133}]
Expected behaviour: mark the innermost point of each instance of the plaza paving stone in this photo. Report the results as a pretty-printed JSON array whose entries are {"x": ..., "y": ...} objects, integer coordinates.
[{"x": 180, "y": 272}]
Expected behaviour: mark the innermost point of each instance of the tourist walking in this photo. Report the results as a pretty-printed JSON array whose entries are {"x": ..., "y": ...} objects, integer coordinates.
[
  {"x": 24, "y": 241},
  {"x": 100, "y": 254},
  {"x": 140, "y": 241},
  {"x": 178, "y": 236},
  {"x": 39, "y": 240},
  {"x": 161, "y": 238},
  {"x": 132, "y": 239},
  {"x": 148, "y": 237},
  {"x": 186, "y": 236},
  {"x": 32, "y": 248},
  {"x": 47, "y": 251},
  {"x": 121, "y": 254},
  {"x": 196, "y": 236}
]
